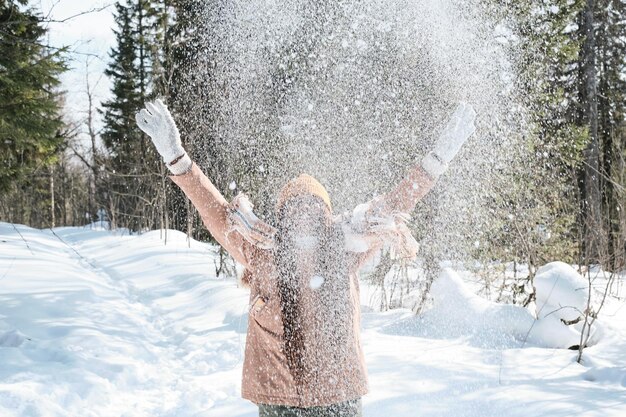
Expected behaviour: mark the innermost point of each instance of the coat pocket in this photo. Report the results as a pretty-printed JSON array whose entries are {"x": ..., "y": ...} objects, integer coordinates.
[
  {"x": 267, "y": 314},
  {"x": 257, "y": 304}
]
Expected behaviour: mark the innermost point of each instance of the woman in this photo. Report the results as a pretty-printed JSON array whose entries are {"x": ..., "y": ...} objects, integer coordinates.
[{"x": 303, "y": 354}]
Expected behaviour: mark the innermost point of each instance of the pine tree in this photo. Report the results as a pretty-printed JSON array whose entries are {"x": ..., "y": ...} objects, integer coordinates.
[
  {"x": 611, "y": 50},
  {"x": 535, "y": 215},
  {"x": 572, "y": 70},
  {"x": 135, "y": 169},
  {"x": 602, "y": 93},
  {"x": 553, "y": 69},
  {"x": 30, "y": 122},
  {"x": 121, "y": 135},
  {"x": 172, "y": 79},
  {"x": 589, "y": 174}
]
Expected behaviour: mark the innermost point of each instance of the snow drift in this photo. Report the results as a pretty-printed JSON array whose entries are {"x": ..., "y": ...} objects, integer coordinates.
[
  {"x": 95, "y": 323},
  {"x": 458, "y": 312}
]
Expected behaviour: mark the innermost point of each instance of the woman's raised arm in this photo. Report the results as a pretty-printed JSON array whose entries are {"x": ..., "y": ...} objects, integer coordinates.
[
  {"x": 423, "y": 177},
  {"x": 213, "y": 210},
  {"x": 157, "y": 122},
  {"x": 384, "y": 216}
]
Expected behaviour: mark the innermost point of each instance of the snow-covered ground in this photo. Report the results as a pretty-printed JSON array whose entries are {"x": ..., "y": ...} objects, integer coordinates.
[{"x": 95, "y": 323}]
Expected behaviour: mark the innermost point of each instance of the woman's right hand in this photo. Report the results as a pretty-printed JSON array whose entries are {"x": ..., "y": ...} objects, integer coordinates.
[{"x": 157, "y": 122}]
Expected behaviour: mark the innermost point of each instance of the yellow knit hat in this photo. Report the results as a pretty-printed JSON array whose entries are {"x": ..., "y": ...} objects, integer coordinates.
[{"x": 304, "y": 184}]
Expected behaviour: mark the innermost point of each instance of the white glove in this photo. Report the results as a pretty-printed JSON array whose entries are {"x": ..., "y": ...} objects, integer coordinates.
[
  {"x": 157, "y": 122},
  {"x": 459, "y": 128},
  {"x": 241, "y": 218},
  {"x": 366, "y": 225}
]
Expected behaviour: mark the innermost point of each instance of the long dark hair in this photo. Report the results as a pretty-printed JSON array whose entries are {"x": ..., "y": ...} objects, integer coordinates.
[{"x": 331, "y": 301}]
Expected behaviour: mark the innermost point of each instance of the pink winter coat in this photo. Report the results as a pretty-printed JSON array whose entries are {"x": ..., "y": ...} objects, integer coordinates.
[{"x": 266, "y": 374}]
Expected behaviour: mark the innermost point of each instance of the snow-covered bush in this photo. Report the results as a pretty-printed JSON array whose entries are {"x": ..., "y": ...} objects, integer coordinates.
[
  {"x": 560, "y": 291},
  {"x": 561, "y": 299}
]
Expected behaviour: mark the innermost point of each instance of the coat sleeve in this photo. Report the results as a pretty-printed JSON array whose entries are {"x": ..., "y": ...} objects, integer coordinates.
[
  {"x": 212, "y": 207},
  {"x": 406, "y": 194},
  {"x": 401, "y": 198}
]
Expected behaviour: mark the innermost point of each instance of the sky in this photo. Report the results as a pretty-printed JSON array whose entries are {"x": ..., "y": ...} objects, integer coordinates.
[{"x": 90, "y": 37}]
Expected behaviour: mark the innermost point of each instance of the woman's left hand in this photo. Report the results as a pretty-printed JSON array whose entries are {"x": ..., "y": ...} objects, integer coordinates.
[{"x": 459, "y": 128}]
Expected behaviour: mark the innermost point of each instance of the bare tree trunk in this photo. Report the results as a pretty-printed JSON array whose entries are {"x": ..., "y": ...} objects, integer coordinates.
[
  {"x": 378, "y": 277},
  {"x": 95, "y": 157},
  {"x": 189, "y": 222},
  {"x": 592, "y": 198},
  {"x": 432, "y": 269},
  {"x": 52, "y": 216}
]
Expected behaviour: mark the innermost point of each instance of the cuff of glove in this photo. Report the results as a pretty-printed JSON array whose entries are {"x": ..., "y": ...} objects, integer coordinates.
[
  {"x": 181, "y": 166},
  {"x": 434, "y": 165}
]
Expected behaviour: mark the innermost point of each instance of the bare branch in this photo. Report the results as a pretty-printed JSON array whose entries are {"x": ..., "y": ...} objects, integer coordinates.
[{"x": 92, "y": 10}]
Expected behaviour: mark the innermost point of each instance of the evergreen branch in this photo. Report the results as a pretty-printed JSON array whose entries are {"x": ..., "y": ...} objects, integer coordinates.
[{"x": 57, "y": 49}]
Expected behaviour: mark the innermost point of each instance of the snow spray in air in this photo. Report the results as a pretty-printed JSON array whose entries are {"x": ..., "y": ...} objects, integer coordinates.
[{"x": 354, "y": 93}]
